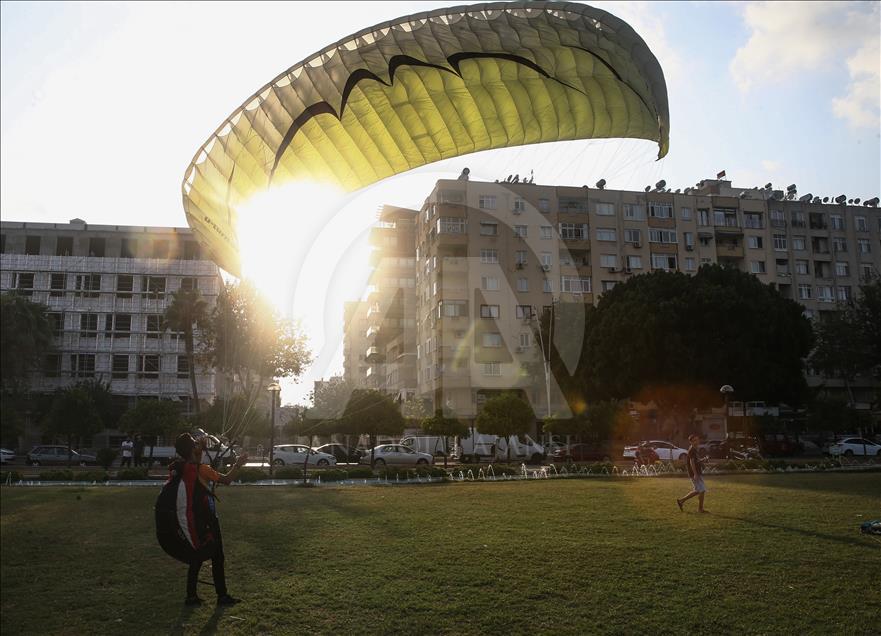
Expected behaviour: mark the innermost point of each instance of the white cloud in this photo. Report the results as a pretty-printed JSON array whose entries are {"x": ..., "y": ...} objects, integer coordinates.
[
  {"x": 770, "y": 166},
  {"x": 815, "y": 36}
]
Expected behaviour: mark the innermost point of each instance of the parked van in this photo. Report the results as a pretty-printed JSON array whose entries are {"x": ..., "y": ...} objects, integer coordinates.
[
  {"x": 480, "y": 447},
  {"x": 428, "y": 444}
]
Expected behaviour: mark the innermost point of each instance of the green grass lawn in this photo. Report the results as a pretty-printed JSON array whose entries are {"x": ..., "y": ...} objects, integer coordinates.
[{"x": 779, "y": 554}]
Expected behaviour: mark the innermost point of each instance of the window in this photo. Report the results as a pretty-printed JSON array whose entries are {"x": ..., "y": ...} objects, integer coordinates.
[
  {"x": 487, "y": 202},
  {"x": 606, "y": 209},
  {"x": 522, "y": 284},
  {"x": 2, "y": 243},
  {"x": 544, "y": 205},
  {"x": 452, "y": 309},
  {"x": 662, "y": 236},
  {"x": 798, "y": 219},
  {"x": 489, "y": 229},
  {"x": 546, "y": 259},
  {"x": 148, "y": 366},
  {"x": 525, "y": 340},
  {"x": 604, "y": 234},
  {"x": 574, "y": 285},
  {"x": 450, "y": 196},
  {"x": 777, "y": 218},
  {"x": 492, "y": 368},
  {"x": 450, "y": 225},
  {"x": 52, "y": 365},
  {"x": 752, "y": 220},
  {"x": 754, "y": 242},
  {"x": 868, "y": 271},
  {"x": 782, "y": 267},
  {"x": 824, "y": 294},
  {"x": 633, "y": 262},
  {"x": 523, "y": 312},
  {"x": 56, "y": 321},
  {"x": 97, "y": 247},
  {"x": 609, "y": 285},
  {"x": 160, "y": 249},
  {"x": 520, "y": 257},
  {"x": 608, "y": 260},
  {"x": 520, "y": 231},
  {"x": 837, "y": 221},
  {"x": 757, "y": 267},
  {"x": 685, "y": 214},
  {"x": 725, "y": 217},
  {"x": 573, "y": 231},
  {"x": 128, "y": 248},
  {"x": 842, "y": 268},
  {"x": 817, "y": 221},
  {"x": 519, "y": 205},
  {"x": 121, "y": 324},
  {"x": 688, "y": 237},
  {"x": 572, "y": 205},
  {"x": 703, "y": 217},
  {"x": 634, "y": 212},
  {"x": 489, "y": 256},
  {"x": 492, "y": 340},
  {"x": 82, "y": 365},
  {"x": 183, "y": 367},
  {"x": 64, "y": 246},
  {"x": 861, "y": 224},
  {"x": 689, "y": 264},
  {"x": 864, "y": 246},
  {"x": 844, "y": 293},
  {"x": 57, "y": 284},
  {"x": 489, "y": 311},
  {"x": 566, "y": 259},
  {"x": 153, "y": 286},
  {"x": 88, "y": 325},
  {"x": 660, "y": 211},
  {"x": 546, "y": 231},
  {"x": 154, "y": 325},
  {"x": 547, "y": 287},
  {"x": 192, "y": 251},
  {"x": 798, "y": 243},
  {"x": 119, "y": 368},
  {"x": 489, "y": 283},
  {"x": 779, "y": 241},
  {"x": 804, "y": 292},
  {"x": 633, "y": 236},
  {"x": 664, "y": 261},
  {"x": 32, "y": 245},
  {"x": 88, "y": 285},
  {"x": 189, "y": 283},
  {"x": 124, "y": 285},
  {"x": 801, "y": 267},
  {"x": 839, "y": 244}
]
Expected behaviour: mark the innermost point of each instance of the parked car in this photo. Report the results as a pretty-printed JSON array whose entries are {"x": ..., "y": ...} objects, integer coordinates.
[
  {"x": 433, "y": 445},
  {"x": 57, "y": 455},
  {"x": 850, "y": 446},
  {"x": 396, "y": 455},
  {"x": 6, "y": 456},
  {"x": 297, "y": 455},
  {"x": 779, "y": 445},
  {"x": 664, "y": 450},
  {"x": 341, "y": 453},
  {"x": 583, "y": 453}
]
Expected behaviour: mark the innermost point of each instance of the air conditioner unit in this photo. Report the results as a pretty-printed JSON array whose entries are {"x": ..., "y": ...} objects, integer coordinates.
[
  {"x": 612, "y": 269},
  {"x": 518, "y": 212},
  {"x": 689, "y": 248},
  {"x": 637, "y": 244},
  {"x": 545, "y": 268},
  {"x": 520, "y": 265}
]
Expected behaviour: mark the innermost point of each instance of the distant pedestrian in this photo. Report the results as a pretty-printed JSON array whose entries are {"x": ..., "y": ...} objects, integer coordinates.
[
  {"x": 127, "y": 452},
  {"x": 139, "y": 450},
  {"x": 695, "y": 472}
]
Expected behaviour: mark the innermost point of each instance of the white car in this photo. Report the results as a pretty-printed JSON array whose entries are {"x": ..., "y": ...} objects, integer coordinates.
[
  {"x": 850, "y": 446},
  {"x": 6, "y": 456},
  {"x": 297, "y": 454},
  {"x": 665, "y": 450},
  {"x": 396, "y": 455}
]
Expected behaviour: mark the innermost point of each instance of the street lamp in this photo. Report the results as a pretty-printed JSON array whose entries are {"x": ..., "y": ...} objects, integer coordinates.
[
  {"x": 274, "y": 390},
  {"x": 726, "y": 390}
]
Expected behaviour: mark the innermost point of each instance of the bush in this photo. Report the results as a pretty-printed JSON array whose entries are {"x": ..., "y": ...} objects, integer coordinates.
[
  {"x": 133, "y": 474},
  {"x": 288, "y": 472},
  {"x": 402, "y": 472},
  {"x": 56, "y": 475},
  {"x": 250, "y": 475},
  {"x": 13, "y": 476},
  {"x": 106, "y": 457}
]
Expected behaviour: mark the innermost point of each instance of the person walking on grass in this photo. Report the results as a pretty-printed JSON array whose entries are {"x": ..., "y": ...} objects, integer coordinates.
[{"x": 695, "y": 472}]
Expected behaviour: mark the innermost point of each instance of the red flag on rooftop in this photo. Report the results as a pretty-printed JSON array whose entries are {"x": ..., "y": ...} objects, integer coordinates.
[{"x": 720, "y": 175}]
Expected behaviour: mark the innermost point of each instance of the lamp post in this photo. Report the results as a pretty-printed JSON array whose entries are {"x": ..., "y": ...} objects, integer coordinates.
[
  {"x": 726, "y": 390},
  {"x": 274, "y": 390}
]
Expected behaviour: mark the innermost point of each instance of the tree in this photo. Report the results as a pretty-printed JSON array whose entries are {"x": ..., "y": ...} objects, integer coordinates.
[
  {"x": 186, "y": 312},
  {"x": 153, "y": 418},
  {"x": 329, "y": 398},
  {"x": 74, "y": 414},
  {"x": 444, "y": 427},
  {"x": 26, "y": 336},
  {"x": 372, "y": 413},
  {"x": 247, "y": 340},
  {"x": 505, "y": 415}
]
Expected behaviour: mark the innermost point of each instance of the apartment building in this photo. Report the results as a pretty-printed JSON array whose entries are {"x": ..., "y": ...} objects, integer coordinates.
[
  {"x": 491, "y": 257},
  {"x": 355, "y": 344},
  {"x": 106, "y": 288}
]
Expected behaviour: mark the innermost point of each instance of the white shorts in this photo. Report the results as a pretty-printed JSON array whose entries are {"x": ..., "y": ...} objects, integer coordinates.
[{"x": 698, "y": 483}]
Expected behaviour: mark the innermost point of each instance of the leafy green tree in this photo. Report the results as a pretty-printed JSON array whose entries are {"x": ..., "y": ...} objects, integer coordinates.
[
  {"x": 153, "y": 419},
  {"x": 246, "y": 339},
  {"x": 25, "y": 338},
  {"x": 505, "y": 415},
  {"x": 329, "y": 398},
  {"x": 74, "y": 415},
  {"x": 185, "y": 314},
  {"x": 372, "y": 413},
  {"x": 445, "y": 427}
]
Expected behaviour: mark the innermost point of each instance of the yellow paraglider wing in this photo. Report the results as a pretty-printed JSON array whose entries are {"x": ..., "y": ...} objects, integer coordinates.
[{"x": 423, "y": 88}]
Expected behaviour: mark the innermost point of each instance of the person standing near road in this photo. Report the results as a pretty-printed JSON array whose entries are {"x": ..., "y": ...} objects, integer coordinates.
[
  {"x": 139, "y": 450},
  {"x": 127, "y": 450},
  {"x": 695, "y": 472}
]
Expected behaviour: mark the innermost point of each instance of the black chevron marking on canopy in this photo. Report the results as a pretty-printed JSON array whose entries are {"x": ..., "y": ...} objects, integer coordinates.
[{"x": 396, "y": 62}]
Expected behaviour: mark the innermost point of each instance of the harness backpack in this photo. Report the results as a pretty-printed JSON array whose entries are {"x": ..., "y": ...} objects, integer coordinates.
[{"x": 184, "y": 526}]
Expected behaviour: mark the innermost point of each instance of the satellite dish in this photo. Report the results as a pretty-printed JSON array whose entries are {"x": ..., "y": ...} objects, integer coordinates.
[
  {"x": 872, "y": 202},
  {"x": 648, "y": 188},
  {"x": 601, "y": 184},
  {"x": 743, "y": 194},
  {"x": 817, "y": 200},
  {"x": 660, "y": 185},
  {"x": 678, "y": 190},
  {"x": 825, "y": 199},
  {"x": 850, "y": 201},
  {"x": 856, "y": 201}
]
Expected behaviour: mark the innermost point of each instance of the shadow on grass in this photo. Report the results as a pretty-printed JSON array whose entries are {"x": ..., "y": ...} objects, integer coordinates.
[
  {"x": 825, "y": 481},
  {"x": 799, "y": 531}
]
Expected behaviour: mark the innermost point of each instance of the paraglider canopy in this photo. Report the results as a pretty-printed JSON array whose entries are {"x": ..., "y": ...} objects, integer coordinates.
[{"x": 427, "y": 87}]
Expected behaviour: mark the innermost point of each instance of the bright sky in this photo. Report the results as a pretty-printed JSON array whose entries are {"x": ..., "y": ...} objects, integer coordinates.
[{"x": 104, "y": 105}]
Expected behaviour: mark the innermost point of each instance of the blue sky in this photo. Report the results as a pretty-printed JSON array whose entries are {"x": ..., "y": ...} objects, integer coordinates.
[{"x": 103, "y": 106}]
